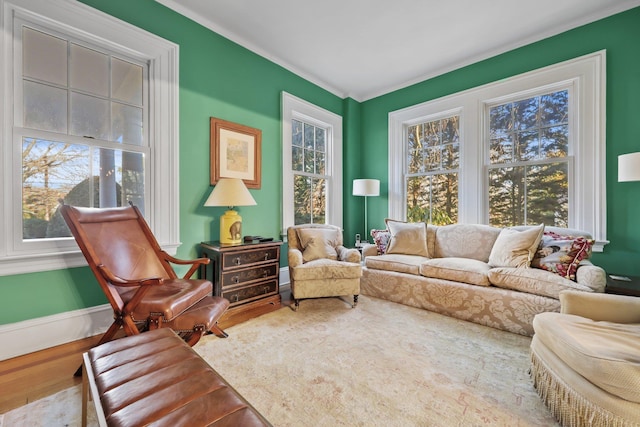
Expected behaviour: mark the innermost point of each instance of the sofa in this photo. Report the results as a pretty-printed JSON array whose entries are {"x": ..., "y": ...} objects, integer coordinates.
[{"x": 498, "y": 277}]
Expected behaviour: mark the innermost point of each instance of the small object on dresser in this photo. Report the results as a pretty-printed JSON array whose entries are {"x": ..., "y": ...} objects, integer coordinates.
[
  {"x": 258, "y": 238},
  {"x": 623, "y": 278}
]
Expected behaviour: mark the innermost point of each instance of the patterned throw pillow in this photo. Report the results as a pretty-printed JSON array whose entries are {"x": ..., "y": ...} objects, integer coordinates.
[
  {"x": 381, "y": 239},
  {"x": 562, "y": 254}
]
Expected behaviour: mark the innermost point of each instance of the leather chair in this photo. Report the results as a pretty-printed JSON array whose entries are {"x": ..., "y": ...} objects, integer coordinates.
[
  {"x": 585, "y": 360},
  {"x": 137, "y": 277},
  {"x": 319, "y": 264}
]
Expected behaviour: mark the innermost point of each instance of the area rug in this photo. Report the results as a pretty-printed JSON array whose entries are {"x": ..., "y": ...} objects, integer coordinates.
[{"x": 380, "y": 364}]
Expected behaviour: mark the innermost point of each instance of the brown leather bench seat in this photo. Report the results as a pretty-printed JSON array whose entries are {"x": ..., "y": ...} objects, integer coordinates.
[{"x": 155, "y": 378}]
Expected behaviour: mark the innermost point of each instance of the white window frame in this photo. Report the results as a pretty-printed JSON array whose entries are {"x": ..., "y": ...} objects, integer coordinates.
[
  {"x": 585, "y": 76},
  {"x": 298, "y": 109},
  {"x": 85, "y": 23}
]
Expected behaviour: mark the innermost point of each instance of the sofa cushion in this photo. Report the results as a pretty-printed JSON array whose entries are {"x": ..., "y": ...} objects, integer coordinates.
[
  {"x": 561, "y": 254},
  {"x": 409, "y": 238},
  {"x": 606, "y": 354},
  {"x": 395, "y": 262},
  {"x": 327, "y": 269},
  {"x": 533, "y": 281},
  {"x": 515, "y": 248},
  {"x": 465, "y": 241},
  {"x": 318, "y": 243},
  {"x": 463, "y": 270},
  {"x": 381, "y": 240}
]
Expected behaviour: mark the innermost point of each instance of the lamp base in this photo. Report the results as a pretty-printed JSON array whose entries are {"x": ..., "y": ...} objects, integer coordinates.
[{"x": 231, "y": 228}]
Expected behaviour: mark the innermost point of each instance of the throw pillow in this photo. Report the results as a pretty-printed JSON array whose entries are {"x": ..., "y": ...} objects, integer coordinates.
[
  {"x": 318, "y": 243},
  {"x": 515, "y": 248},
  {"x": 561, "y": 254},
  {"x": 409, "y": 238},
  {"x": 381, "y": 240}
]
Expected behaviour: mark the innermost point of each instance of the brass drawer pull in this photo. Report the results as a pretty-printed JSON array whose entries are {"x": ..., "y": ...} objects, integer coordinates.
[
  {"x": 237, "y": 261},
  {"x": 235, "y": 279}
]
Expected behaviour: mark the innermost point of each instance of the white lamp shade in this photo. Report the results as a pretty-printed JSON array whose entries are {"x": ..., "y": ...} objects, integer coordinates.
[
  {"x": 366, "y": 187},
  {"x": 230, "y": 192},
  {"x": 629, "y": 167}
]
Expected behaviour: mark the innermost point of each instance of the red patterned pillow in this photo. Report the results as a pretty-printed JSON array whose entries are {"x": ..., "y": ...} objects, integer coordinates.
[
  {"x": 561, "y": 254},
  {"x": 381, "y": 239}
]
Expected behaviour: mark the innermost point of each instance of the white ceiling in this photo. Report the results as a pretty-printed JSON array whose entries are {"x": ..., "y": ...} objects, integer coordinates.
[{"x": 365, "y": 48}]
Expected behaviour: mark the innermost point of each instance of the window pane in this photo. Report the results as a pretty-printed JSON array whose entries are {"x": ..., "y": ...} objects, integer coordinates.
[
  {"x": 451, "y": 156},
  {"x": 526, "y": 113},
  {"x": 309, "y": 161},
  {"x": 126, "y": 79},
  {"x": 296, "y": 132},
  {"x": 308, "y": 137},
  {"x": 120, "y": 177},
  {"x": 526, "y": 145},
  {"x": 555, "y": 142},
  {"x": 296, "y": 158},
  {"x": 554, "y": 108},
  {"x": 320, "y": 163},
  {"x": 320, "y": 139},
  {"x": 126, "y": 124},
  {"x": 45, "y": 107},
  {"x": 433, "y": 199},
  {"x": 506, "y": 196},
  {"x": 44, "y": 57},
  {"x": 89, "y": 116},
  {"x": 52, "y": 171},
  {"x": 302, "y": 199},
  {"x": 548, "y": 195},
  {"x": 414, "y": 149},
  {"x": 89, "y": 70},
  {"x": 319, "y": 201}
]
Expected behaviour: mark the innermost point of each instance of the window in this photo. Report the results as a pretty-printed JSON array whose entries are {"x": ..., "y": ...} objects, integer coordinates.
[
  {"x": 525, "y": 150},
  {"x": 89, "y": 116},
  {"x": 312, "y": 159},
  {"x": 82, "y": 127},
  {"x": 432, "y": 171},
  {"x": 529, "y": 161}
]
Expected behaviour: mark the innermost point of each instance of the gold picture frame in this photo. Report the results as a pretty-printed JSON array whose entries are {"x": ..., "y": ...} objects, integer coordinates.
[{"x": 235, "y": 152}]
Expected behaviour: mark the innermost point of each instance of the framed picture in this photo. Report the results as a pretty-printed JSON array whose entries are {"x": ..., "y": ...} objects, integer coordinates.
[{"x": 235, "y": 152}]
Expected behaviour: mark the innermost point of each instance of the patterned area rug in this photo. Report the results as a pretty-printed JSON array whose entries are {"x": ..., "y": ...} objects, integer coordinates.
[{"x": 380, "y": 364}]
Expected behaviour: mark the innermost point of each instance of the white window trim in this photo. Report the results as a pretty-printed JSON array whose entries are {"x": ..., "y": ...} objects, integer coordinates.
[
  {"x": 586, "y": 76},
  {"x": 296, "y": 108},
  {"x": 163, "y": 209}
]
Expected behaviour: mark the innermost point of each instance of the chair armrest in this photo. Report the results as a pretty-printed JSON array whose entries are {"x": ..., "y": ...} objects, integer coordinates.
[
  {"x": 601, "y": 307},
  {"x": 119, "y": 281},
  {"x": 195, "y": 263},
  {"x": 294, "y": 256},
  {"x": 348, "y": 255}
]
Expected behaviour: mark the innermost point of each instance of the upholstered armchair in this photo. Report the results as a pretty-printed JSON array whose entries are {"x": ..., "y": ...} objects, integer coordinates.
[
  {"x": 586, "y": 359},
  {"x": 319, "y": 264}
]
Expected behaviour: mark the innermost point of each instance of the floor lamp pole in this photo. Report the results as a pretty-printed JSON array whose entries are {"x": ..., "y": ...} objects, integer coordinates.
[{"x": 365, "y": 235}]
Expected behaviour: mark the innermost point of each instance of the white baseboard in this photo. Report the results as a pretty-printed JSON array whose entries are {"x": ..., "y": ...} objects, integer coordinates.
[
  {"x": 37, "y": 334},
  {"x": 43, "y": 332}
]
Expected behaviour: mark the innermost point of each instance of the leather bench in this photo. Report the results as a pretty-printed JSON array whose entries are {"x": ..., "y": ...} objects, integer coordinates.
[{"x": 155, "y": 378}]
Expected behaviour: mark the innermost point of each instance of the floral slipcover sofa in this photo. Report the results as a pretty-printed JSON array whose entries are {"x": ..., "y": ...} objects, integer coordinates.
[{"x": 495, "y": 277}]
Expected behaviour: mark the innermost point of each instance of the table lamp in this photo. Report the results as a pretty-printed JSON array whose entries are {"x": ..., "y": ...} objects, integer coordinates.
[
  {"x": 629, "y": 167},
  {"x": 230, "y": 192},
  {"x": 366, "y": 188}
]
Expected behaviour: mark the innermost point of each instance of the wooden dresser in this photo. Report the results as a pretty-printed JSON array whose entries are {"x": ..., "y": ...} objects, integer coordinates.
[{"x": 246, "y": 274}]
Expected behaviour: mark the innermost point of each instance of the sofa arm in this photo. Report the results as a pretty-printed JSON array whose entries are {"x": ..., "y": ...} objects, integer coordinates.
[
  {"x": 294, "y": 256},
  {"x": 369, "y": 250},
  {"x": 592, "y": 276},
  {"x": 348, "y": 255},
  {"x": 601, "y": 307}
]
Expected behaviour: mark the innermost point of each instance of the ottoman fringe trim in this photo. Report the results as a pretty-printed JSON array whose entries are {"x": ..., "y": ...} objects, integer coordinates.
[{"x": 568, "y": 406}]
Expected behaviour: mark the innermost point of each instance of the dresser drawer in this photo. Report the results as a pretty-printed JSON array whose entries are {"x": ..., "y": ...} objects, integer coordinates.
[
  {"x": 259, "y": 290},
  {"x": 238, "y": 277},
  {"x": 245, "y": 258}
]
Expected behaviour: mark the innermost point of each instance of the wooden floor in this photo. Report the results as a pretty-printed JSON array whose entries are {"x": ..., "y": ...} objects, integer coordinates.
[{"x": 33, "y": 376}]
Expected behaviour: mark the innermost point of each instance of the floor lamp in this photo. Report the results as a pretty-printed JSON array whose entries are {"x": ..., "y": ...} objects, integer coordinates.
[{"x": 366, "y": 188}]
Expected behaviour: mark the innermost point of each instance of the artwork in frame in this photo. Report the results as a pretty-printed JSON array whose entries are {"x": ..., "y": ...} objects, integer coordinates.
[{"x": 235, "y": 152}]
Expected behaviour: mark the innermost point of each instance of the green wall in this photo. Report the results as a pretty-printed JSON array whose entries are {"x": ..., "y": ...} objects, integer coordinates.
[
  {"x": 620, "y": 36},
  {"x": 217, "y": 78},
  {"x": 221, "y": 79}
]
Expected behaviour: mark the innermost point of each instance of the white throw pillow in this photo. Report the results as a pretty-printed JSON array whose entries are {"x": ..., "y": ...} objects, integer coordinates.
[
  {"x": 318, "y": 243},
  {"x": 515, "y": 248},
  {"x": 409, "y": 238}
]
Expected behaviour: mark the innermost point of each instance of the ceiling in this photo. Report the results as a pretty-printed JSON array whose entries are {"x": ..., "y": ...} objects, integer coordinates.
[{"x": 365, "y": 48}]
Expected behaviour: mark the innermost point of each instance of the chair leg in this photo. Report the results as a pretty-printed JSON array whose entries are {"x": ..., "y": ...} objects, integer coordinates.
[
  {"x": 296, "y": 304},
  {"x": 355, "y": 301},
  {"x": 219, "y": 332}
]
